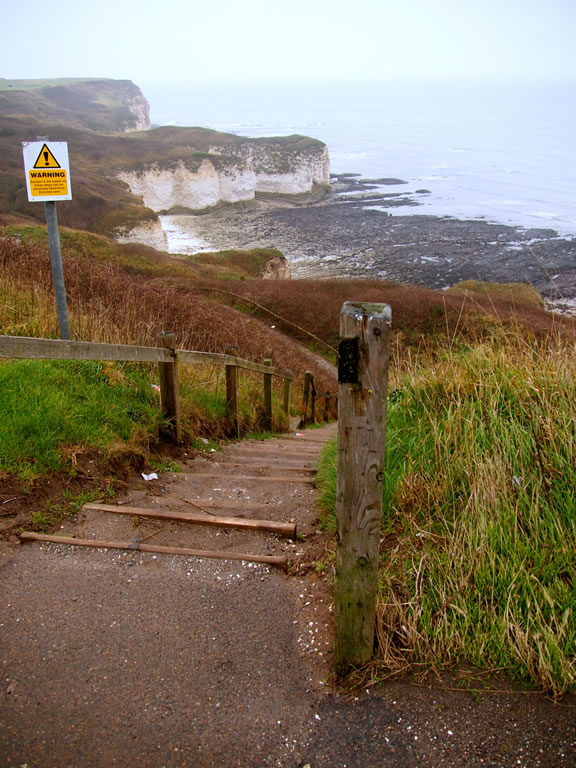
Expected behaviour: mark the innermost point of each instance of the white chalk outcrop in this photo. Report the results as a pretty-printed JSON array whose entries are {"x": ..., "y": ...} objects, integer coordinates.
[
  {"x": 198, "y": 187},
  {"x": 230, "y": 173},
  {"x": 140, "y": 109},
  {"x": 281, "y": 169},
  {"x": 148, "y": 233},
  {"x": 276, "y": 268}
]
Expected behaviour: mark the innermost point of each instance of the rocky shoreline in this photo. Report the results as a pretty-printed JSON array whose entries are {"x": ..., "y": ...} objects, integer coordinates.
[{"x": 359, "y": 230}]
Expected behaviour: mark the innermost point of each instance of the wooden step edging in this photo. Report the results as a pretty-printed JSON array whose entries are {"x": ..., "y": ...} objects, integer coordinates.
[
  {"x": 273, "y": 451},
  {"x": 282, "y": 529},
  {"x": 210, "y": 503},
  {"x": 239, "y": 478},
  {"x": 279, "y": 561},
  {"x": 278, "y": 467}
]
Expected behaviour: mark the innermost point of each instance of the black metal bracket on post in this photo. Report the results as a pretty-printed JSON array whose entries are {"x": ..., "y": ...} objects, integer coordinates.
[{"x": 348, "y": 361}]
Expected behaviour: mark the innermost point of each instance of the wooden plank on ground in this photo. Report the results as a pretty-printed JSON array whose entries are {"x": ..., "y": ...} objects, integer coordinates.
[
  {"x": 274, "y": 450},
  {"x": 271, "y": 460},
  {"x": 282, "y": 449},
  {"x": 282, "y": 529},
  {"x": 280, "y": 561},
  {"x": 240, "y": 478},
  {"x": 212, "y": 504},
  {"x": 256, "y": 465}
]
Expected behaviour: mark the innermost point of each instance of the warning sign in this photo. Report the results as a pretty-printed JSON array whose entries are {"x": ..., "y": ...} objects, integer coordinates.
[
  {"x": 46, "y": 159},
  {"x": 47, "y": 170}
]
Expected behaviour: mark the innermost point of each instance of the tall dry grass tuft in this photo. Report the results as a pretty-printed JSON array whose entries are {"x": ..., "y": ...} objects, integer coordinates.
[{"x": 484, "y": 513}]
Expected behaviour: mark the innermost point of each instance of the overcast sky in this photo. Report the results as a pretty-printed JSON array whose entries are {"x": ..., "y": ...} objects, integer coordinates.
[{"x": 200, "y": 41}]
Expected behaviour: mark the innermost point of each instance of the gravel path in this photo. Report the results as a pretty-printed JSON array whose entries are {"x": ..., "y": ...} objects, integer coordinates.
[{"x": 134, "y": 659}]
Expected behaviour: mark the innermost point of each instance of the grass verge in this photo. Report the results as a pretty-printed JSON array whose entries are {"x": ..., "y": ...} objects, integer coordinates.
[
  {"x": 52, "y": 406},
  {"x": 477, "y": 559}
]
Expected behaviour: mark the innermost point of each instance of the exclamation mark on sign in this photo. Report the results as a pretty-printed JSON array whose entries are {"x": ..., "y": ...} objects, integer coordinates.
[{"x": 46, "y": 158}]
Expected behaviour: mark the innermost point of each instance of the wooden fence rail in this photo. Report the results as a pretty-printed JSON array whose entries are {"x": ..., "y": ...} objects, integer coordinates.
[{"x": 168, "y": 359}]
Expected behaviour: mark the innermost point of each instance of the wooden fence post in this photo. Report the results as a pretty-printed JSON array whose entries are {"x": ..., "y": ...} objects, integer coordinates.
[
  {"x": 363, "y": 383},
  {"x": 305, "y": 398},
  {"x": 267, "y": 398},
  {"x": 287, "y": 396},
  {"x": 169, "y": 394},
  {"x": 312, "y": 401},
  {"x": 232, "y": 393}
]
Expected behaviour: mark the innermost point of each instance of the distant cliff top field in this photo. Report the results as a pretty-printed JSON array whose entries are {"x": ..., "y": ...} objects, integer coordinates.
[{"x": 96, "y": 104}]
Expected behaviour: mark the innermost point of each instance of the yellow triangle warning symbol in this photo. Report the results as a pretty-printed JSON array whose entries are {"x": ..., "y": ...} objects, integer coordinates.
[{"x": 46, "y": 159}]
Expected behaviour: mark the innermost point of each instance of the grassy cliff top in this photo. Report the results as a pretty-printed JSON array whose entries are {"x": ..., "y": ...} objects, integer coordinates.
[
  {"x": 93, "y": 104},
  {"x": 26, "y": 85}
]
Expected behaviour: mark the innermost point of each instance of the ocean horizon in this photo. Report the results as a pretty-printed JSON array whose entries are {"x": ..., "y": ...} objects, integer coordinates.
[{"x": 500, "y": 152}]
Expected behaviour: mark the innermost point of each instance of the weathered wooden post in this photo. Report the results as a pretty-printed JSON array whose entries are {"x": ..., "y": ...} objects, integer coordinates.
[
  {"x": 169, "y": 393},
  {"x": 268, "y": 398},
  {"x": 305, "y": 398},
  {"x": 287, "y": 394},
  {"x": 312, "y": 401},
  {"x": 232, "y": 393},
  {"x": 363, "y": 383}
]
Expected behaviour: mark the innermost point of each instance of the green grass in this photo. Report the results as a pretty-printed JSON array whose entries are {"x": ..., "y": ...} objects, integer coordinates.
[
  {"x": 25, "y": 85},
  {"x": 520, "y": 293},
  {"x": 478, "y": 560},
  {"x": 48, "y": 406},
  {"x": 206, "y": 407},
  {"x": 235, "y": 264}
]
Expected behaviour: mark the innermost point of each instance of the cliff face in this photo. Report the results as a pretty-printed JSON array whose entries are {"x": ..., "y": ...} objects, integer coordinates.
[
  {"x": 139, "y": 107},
  {"x": 280, "y": 168},
  {"x": 232, "y": 172},
  {"x": 193, "y": 186}
]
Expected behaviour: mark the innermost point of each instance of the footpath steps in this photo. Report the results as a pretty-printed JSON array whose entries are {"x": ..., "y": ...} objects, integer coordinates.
[
  {"x": 179, "y": 660},
  {"x": 248, "y": 502}
]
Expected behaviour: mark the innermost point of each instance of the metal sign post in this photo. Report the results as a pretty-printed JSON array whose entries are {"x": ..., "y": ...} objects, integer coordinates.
[{"x": 48, "y": 180}]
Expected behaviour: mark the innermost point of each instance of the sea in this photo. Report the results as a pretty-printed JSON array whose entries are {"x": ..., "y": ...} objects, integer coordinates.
[{"x": 497, "y": 151}]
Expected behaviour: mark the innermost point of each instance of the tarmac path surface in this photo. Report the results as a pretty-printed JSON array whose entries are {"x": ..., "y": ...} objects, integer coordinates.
[{"x": 129, "y": 658}]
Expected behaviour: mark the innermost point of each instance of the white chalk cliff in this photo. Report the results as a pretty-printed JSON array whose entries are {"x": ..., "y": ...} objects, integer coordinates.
[
  {"x": 231, "y": 172},
  {"x": 190, "y": 186},
  {"x": 140, "y": 109}
]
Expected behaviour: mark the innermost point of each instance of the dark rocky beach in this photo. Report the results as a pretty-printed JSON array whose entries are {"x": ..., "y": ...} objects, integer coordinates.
[{"x": 359, "y": 230}]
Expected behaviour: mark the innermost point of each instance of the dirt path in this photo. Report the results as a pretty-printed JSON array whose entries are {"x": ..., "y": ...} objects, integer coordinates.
[{"x": 135, "y": 659}]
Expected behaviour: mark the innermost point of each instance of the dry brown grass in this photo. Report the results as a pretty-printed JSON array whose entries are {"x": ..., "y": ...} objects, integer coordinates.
[
  {"x": 418, "y": 314},
  {"x": 108, "y": 304}
]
